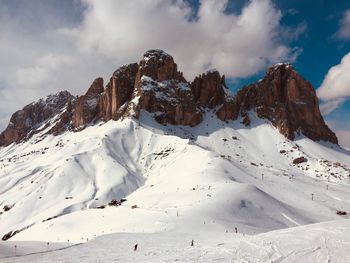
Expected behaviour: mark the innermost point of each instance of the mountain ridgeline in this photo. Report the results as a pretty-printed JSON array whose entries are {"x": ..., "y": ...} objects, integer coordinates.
[{"x": 155, "y": 85}]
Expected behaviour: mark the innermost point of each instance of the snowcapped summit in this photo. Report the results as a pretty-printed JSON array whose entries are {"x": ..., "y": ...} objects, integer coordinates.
[
  {"x": 157, "y": 54},
  {"x": 160, "y": 66},
  {"x": 282, "y": 65}
]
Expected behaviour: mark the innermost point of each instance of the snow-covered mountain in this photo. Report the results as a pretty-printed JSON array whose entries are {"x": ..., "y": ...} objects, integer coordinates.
[{"x": 151, "y": 152}]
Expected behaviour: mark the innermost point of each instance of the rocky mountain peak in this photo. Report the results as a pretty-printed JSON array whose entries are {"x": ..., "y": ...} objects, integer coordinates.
[
  {"x": 95, "y": 88},
  {"x": 118, "y": 92},
  {"x": 35, "y": 117},
  {"x": 155, "y": 85},
  {"x": 288, "y": 101},
  {"x": 209, "y": 88},
  {"x": 280, "y": 67},
  {"x": 159, "y": 66},
  {"x": 87, "y": 105}
]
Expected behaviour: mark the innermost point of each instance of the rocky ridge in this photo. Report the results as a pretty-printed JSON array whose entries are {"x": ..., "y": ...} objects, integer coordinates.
[
  {"x": 155, "y": 85},
  {"x": 284, "y": 98},
  {"x": 52, "y": 114}
]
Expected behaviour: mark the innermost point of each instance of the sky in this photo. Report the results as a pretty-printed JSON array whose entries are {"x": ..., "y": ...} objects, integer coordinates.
[{"x": 51, "y": 45}]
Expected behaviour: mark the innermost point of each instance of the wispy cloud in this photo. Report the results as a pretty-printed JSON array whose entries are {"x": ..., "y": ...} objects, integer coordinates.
[{"x": 344, "y": 30}]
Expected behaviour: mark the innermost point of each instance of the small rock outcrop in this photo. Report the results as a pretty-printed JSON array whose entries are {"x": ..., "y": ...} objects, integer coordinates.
[
  {"x": 35, "y": 117},
  {"x": 299, "y": 160},
  {"x": 86, "y": 108},
  {"x": 208, "y": 89},
  {"x": 228, "y": 111},
  {"x": 118, "y": 92}
]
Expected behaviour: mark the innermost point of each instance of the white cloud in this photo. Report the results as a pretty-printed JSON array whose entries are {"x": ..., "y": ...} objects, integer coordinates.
[
  {"x": 335, "y": 88},
  {"x": 47, "y": 46},
  {"x": 237, "y": 45},
  {"x": 45, "y": 69},
  {"x": 329, "y": 106},
  {"x": 344, "y": 31}
]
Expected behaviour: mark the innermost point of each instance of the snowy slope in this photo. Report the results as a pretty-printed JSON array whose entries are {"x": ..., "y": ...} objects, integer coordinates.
[
  {"x": 323, "y": 242},
  {"x": 213, "y": 177}
]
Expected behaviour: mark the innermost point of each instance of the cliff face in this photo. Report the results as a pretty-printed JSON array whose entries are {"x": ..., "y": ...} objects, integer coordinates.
[
  {"x": 209, "y": 89},
  {"x": 118, "y": 92},
  {"x": 87, "y": 108},
  {"x": 159, "y": 66},
  {"x": 163, "y": 90},
  {"x": 287, "y": 100},
  {"x": 35, "y": 117},
  {"x": 155, "y": 85}
]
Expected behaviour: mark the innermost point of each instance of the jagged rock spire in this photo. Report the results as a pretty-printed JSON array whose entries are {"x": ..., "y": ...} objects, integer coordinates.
[{"x": 155, "y": 85}]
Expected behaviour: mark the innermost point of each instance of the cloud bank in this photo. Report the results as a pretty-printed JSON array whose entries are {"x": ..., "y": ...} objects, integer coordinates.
[
  {"x": 48, "y": 46},
  {"x": 237, "y": 45},
  {"x": 335, "y": 88}
]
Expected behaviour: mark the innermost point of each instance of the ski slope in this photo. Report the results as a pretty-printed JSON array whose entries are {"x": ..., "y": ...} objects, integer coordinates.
[
  {"x": 323, "y": 242},
  {"x": 211, "y": 178}
]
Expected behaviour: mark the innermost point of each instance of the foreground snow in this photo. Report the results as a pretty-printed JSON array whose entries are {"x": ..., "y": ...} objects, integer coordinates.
[
  {"x": 209, "y": 179},
  {"x": 323, "y": 242}
]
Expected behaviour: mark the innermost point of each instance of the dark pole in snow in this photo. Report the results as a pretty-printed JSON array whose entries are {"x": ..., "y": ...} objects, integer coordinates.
[
  {"x": 312, "y": 196},
  {"x": 135, "y": 247},
  {"x": 192, "y": 243},
  {"x": 236, "y": 230}
]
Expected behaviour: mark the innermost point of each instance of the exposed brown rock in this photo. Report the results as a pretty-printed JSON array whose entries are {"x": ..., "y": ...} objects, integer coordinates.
[
  {"x": 34, "y": 117},
  {"x": 155, "y": 85},
  {"x": 288, "y": 101},
  {"x": 246, "y": 120},
  {"x": 172, "y": 101},
  {"x": 119, "y": 91},
  {"x": 86, "y": 108},
  {"x": 159, "y": 66},
  {"x": 162, "y": 90},
  {"x": 228, "y": 111},
  {"x": 298, "y": 160},
  {"x": 208, "y": 89},
  {"x": 64, "y": 119}
]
